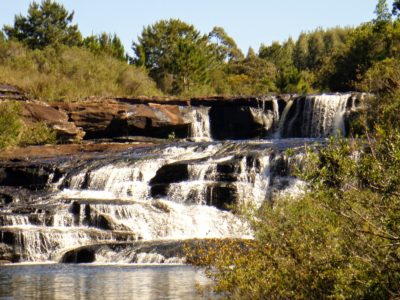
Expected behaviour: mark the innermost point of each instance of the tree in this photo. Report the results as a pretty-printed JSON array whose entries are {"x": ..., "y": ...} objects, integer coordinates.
[
  {"x": 107, "y": 44},
  {"x": 251, "y": 54},
  {"x": 300, "y": 55},
  {"x": 177, "y": 56},
  {"x": 225, "y": 45},
  {"x": 316, "y": 49},
  {"x": 48, "y": 23},
  {"x": 396, "y": 7},
  {"x": 382, "y": 12},
  {"x": 252, "y": 75}
]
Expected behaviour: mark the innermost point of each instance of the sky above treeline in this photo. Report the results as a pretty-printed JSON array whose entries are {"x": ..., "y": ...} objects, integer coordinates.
[{"x": 249, "y": 22}]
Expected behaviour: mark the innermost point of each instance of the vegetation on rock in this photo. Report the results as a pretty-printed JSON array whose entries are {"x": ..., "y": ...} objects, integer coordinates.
[{"x": 13, "y": 131}]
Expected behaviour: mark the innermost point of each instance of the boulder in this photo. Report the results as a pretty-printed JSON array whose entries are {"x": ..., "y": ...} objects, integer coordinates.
[{"x": 83, "y": 255}]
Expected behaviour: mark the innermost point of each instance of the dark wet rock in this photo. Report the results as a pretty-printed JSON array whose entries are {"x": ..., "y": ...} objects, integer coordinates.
[
  {"x": 7, "y": 254},
  {"x": 75, "y": 208},
  {"x": 170, "y": 173},
  {"x": 27, "y": 175},
  {"x": 7, "y": 237},
  {"x": 84, "y": 255},
  {"x": 38, "y": 219},
  {"x": 166, "y": 175},
  {"x": 227, "y": 171},
  {"x": 159, "y": 190},
  {"x": 222, "y": 196},
  {"x": 106, "y": 222},
  {"x": 5, "y": 199},
  {"x": 238, "y": 122}
]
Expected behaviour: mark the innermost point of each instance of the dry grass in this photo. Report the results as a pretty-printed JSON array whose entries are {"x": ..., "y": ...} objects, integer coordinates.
[{"x": 66, "y": 74}]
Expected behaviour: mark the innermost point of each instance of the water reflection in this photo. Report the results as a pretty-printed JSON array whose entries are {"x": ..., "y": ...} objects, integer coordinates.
[{"x": 100, "y": 282}]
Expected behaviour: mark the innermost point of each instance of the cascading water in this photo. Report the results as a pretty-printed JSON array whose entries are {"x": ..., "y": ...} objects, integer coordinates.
[
  {"x": 317, "y": 116},
  {"x": 200, "y": 124},
  {"x": 176, "y": 191}
]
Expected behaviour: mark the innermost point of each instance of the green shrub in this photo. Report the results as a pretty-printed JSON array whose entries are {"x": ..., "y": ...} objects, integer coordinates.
[
  {"x": 10, "y": 124},
  {"x": 13, "y": 131},
  {"x": 37, "y": 134}
]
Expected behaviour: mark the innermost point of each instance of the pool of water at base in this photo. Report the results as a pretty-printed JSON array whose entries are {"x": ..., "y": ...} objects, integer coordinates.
[{"x": 87, "y": 281}]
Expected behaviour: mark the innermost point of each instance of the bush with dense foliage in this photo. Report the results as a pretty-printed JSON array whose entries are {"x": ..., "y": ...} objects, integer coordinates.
[{"x": 14, "y": 132}]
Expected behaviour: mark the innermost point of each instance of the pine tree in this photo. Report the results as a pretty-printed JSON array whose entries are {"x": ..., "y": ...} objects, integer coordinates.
[{"x": 48, "y": 23}]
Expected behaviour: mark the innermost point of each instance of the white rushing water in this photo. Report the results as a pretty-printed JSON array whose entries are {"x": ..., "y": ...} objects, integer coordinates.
[
  {"x": 41, "y": 244},
  {"x": 200, "y": 124},
  {"x": 321, "y": 116}
]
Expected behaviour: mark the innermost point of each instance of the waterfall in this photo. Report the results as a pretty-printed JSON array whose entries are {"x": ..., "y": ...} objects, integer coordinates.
[
  {"x": 282, "y": 120},
  {"x": 316, "y": 116},
  {"x": 275, "y": 109},
  {"x": 200, "y": 124},
  {"x": 253, "y": 180},
  {"x": 137, "y": 258},
  {"x": 14, "y": 220},
  {"x": 170, "y": 220},
  {"x": 176, "y": 190},
  {"x": 194, "y": 190},
  {"x": 43, "y": 244}
]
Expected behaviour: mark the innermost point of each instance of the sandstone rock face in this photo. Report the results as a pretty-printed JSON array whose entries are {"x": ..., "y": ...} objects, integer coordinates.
[
  {"x": 109, "y": 118},
  {"x": 57, "y": 120}
]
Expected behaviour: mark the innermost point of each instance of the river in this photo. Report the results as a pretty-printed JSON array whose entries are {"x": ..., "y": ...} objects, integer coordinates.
[{"x": 92, "y": 281}]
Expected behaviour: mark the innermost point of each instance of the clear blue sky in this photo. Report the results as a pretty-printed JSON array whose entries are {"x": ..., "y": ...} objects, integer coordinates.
[{"x": 249, "y": 22}]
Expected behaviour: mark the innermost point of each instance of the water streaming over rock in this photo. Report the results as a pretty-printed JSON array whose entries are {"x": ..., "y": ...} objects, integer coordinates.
[
  {"x": 200, "y": 125},
  {"x": 176, "y": 191},
  {"x": 317, "y": 116}
]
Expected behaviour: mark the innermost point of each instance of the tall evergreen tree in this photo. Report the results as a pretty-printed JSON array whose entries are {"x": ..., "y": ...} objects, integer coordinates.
[
  {"x": 382, "y": 11},
  {"x": 176, "y": 55},
  {"x": 47, "y": 23}
]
